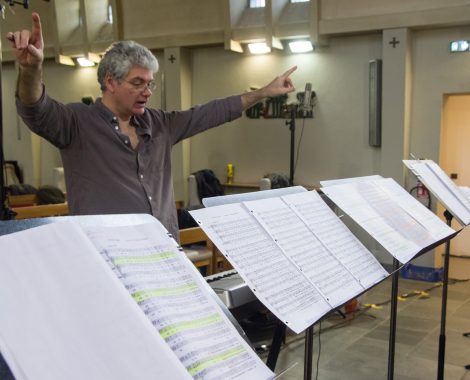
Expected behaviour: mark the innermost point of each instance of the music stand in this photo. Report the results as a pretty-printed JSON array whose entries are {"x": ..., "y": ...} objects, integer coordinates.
[
  {"x": 90, "y": 221},
  {"x": 280, "y": 329},
  {"x": 445, "y": 282}
]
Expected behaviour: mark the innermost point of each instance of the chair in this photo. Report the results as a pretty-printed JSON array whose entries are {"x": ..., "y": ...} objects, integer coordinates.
[
  {"x": 202, "y": 252},
  {"x": 193, "y": 194},
  {"x": 198, "y": 248}
]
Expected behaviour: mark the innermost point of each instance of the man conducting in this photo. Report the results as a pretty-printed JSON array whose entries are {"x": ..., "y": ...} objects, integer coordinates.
[{"x": 117, "y": 152}]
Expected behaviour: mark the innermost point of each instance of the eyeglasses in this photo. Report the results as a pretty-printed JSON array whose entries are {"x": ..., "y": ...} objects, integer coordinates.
[{"x": 140, "y": 85}]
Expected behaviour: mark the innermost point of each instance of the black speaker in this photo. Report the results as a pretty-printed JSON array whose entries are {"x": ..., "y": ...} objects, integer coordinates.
[{"x": 375, "y": 102}]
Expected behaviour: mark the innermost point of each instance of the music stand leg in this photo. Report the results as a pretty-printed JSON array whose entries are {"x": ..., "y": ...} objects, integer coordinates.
[
  {"x": 308, "y": 355},
  {"x": 278, "y": 338},
  {"x": 393, "y": 320},
  {"x": 445, "y": 282}
]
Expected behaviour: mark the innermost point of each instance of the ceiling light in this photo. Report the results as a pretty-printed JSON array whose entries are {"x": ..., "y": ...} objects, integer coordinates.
[
  {"x": 93, "y": 57},
  {"x": 300, "y": 46},
  {"x": 65, "y": 60},
  {"x": 83, "y": 62},
  {"x": 259, "y": 48}
]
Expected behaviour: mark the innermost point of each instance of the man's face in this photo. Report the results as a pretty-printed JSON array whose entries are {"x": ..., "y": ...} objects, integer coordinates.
[{"x": 130, "y": 94}]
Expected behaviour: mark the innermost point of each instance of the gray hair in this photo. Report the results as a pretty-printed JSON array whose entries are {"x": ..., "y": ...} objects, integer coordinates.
[{"x": 120, "y": 57}]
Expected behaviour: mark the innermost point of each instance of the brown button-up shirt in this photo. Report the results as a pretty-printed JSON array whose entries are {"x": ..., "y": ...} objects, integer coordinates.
[{"x": 103, "y": 174}]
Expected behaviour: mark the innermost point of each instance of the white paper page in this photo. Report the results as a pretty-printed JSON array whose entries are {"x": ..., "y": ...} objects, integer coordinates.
[
  {"x": 275, "y": 281},
  {"x": 381, "y": 217},
  {"x": 436, "y": 227},
  {"x": 442, "y": 187},
  {"x": 341, "y": 181},
  {"x": 65, "y": 315},
  {"x": 332, "y": 232},
  {"x": 176, "y": 299},
  {"x": 465, "y": 190},
  {"x": 298, "y": 243}
]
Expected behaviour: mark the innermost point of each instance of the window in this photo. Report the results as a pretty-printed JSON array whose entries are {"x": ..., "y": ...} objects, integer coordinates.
[
  {"x": 257, "y": 4},
  {"x": 109, "y": 14}
]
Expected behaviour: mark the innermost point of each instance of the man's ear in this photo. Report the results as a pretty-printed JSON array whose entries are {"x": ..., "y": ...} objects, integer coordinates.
[{"x": 110, "y": 83}]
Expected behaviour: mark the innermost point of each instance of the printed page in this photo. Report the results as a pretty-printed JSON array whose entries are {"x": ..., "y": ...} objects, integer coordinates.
[
  {"x": 373, "y": 209},
  {"x": 465, "y": 190},
  {"x": 438, "y": 183},
  {"x": 302, "y": 247},
  {"x": 436, "y": 227},
  {"x": 341, "y": 181},
  {"x": 65, "y": 315},
  {"x": 176, "y": 299},
  {"x": 334, "y": 235},
  {"x": 272, "y": 277}
]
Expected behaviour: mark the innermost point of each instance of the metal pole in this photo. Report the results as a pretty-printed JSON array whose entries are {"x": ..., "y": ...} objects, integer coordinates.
[
  {"x": 308, "y": 353},
  {"x": 445, "y": 282},
  {"x": 393, "y": 320},
  {"x": 292, "y": 146},
  {"x": 3, "y": 198}
]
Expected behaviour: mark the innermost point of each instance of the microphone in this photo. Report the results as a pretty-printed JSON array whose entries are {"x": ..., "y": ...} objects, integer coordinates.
[{"x": 307, "y": 101}]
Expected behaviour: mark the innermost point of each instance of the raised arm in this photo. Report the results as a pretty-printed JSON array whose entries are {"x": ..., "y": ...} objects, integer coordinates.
[
  {"x": 279, "y": 86},
  {"x": 29, "y": 51}
]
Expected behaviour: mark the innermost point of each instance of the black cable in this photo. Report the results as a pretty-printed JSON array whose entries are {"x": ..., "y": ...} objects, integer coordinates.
[
  {"x": 429, "y": 196},
  {"x": 298, "y": 144}
]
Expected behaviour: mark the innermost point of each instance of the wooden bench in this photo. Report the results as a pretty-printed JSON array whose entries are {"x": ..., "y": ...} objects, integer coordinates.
[{"x": 26, "y": 207}]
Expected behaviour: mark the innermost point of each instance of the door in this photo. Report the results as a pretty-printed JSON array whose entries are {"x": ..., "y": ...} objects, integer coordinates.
[{"x": 455, "y": 156}]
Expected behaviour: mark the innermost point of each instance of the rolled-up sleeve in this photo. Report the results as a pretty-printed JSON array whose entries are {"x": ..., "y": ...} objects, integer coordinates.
[{"x": 48, "y": 118}]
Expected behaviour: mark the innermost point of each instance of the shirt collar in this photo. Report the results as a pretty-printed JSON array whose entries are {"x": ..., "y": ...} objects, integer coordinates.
[{"x": 142, "y": 128}]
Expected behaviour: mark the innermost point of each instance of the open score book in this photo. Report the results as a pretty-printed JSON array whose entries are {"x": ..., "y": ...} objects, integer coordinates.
[{"x": 112, "y": 303}]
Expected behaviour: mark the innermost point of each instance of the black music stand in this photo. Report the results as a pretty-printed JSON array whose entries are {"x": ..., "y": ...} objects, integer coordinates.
[
  {"x": 394, "y": 301},
  {"x": 280, "y": 329},
  {"x": 445, "y": 281},
  {"x": 393, "y": 319}
]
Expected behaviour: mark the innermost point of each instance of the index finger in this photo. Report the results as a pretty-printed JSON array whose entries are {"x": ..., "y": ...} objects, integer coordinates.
[
  {"x": 36, "y": 29},
  {"x": 289, "y": 72}
]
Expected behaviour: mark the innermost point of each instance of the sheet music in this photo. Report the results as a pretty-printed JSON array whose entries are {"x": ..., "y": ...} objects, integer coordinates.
[
  {"x": 272, "y": 277},
  {"x": 465, "y": 190},
  {"x": 318, "y": 264},
  {"x": 382, "y": 210},
  {"x": 65, "y": 315},
  {"x": 436, "y": 227},
  {"x": 176, "y": 299},
  {"x": 372, "y": 208},
  {"x": 437, "y": 181},
  {"x": 341, "y": 181},
  {"x": 334, "y": 235}
]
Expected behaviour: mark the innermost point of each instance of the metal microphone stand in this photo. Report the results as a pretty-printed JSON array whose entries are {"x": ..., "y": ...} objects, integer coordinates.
[
  {"x": 291, "y": 124},
  {"x": 5, "y": 212}
]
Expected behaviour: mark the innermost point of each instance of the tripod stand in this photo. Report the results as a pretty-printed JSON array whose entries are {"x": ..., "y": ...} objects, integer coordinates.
[{"x": 291, "y": 124}]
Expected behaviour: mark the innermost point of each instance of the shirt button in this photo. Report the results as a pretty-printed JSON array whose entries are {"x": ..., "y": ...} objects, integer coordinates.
[
  {"x": 116, "y": 128},
  {"x": 114, "y": 118},
  {"x": 127, "y": 142},
  {"x": 141, "y": 176},
  {"x": 150, "y": 198}
]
